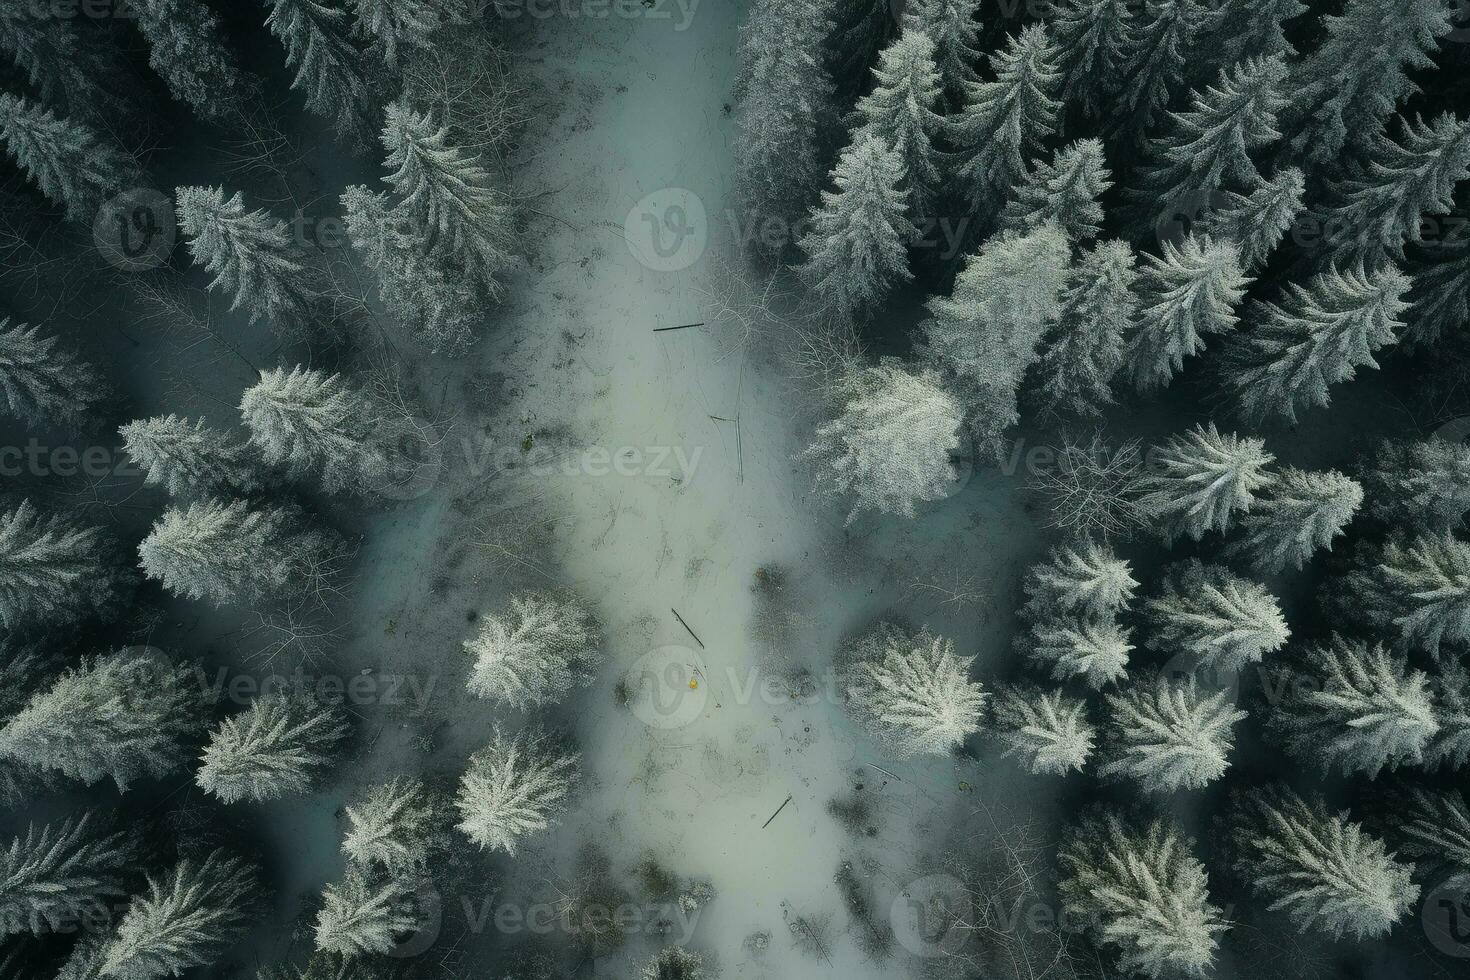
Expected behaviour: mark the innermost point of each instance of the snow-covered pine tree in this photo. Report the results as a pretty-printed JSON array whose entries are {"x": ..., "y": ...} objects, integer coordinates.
[
  {"x": 1167, "y": 735},
  {"x": 1064, "y": 191},
  {"x": 856, "y": 247},
  {"x": 861, "y": 29},
  {"x": 394, "y": 827},
  {"x": 1073, "y": 601},
  {"x": 1435, "y": 827},
  {"x": 1386, "y": 201},
  {"x": 187, "y": 49},
  {"x": 24, "y": 669},
  {"x": 1077, "y": 646},
  {"x": 54, "y": 571},
  {"x": 954, "y": 27},
  {"x": 1143, "y": 892},
  {"x": 1184, "y": 296},
  {"x": 785, "y": 99},
  {"x": 1241, "y": 29},
  {"x": 60, "y": 877},
  {"x": 84, "y": 962},
  {"x": 277, "y": 747},
  {"x": 128, "y": 715},
  {"x": 915, "y": 695},
  {"x": 418, "y": 286},
  {"x": 364, "y": 914},
  {"x": 1257, "y": 221},
  {"x": 68, "y": 70},
  {"x": 187, "y": 918},
  {"x": 514, "y": 787},
  {"x": 1355, "y": 707},
  {"x": 1218, "y": 619},
  {"x": 1202, "y": 481},
  {"x": 1450, "y": 746},
  {"x": 1441, "y": 292},
  {"x": 329, "y": 70},
  {"x": 185, "y": 457},
  {"x": 535, "y": 652},
  {"x": 1092, "y": 37},
  {"x": 250, "y": 254},
  {"x": 1319, "y": 867},
  {"x": 1348, "y": 85},
  {"x": 1084, "y": 350},
  {"x": 1317, "y": 337},
  {"x": 44, "y": 382},
  {"x": 400, "y": 24},
  {"x": 231, "y": 552},
  {"x": 314, "y": 426},
  {"x": 1083, "y": 577},
  {"x": 987, "y": 331},
  {"x": 673, "y": 963},
  {"x": 1417, "y": 588},
  {"x": 76, "y": 167},
  {"x": 891, "y": 446},
  {"x": 1155, "y": 55},
  {"x": 1208, "y": 147},
  {"x": 1047, "y": 730},
  {"x": 446, "y": 192},
  {"x": 1003, "y": 121},
  {"x": 902, "y": 113},
  {"x": 1300, "y": 513}
]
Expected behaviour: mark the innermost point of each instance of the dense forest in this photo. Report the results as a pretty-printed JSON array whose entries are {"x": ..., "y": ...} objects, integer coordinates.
[{"x": 1030, "y": 438}]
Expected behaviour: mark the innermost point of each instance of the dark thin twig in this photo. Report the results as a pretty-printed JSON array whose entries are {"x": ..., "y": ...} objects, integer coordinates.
[
  {"x": 686, "y": 626},
  {"x": 777, "y": 813},
  {"x": 883, "y": 771},
  {"x": 682, "y": 326}
]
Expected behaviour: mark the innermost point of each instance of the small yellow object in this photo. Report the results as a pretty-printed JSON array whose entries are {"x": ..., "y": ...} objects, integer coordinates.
[{"x": 694, "y": 683}]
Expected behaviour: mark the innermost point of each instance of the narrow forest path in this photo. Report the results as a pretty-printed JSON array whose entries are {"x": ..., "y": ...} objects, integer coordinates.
[{"x": 676, "y": 482}]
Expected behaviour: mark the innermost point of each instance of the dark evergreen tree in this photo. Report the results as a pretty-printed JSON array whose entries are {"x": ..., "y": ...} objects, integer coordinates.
[
  {"x": 72, "y": 164},
  {"x": 1257, "y": 221},
  {"x": 1004, "y": 121},
  {"x": 1385, "y": 202},
  {"x": 954, "y": 27},
  {"x": 1065, "y": 191},
  {"x": 1346, "y": 88},
  {"x": 188, "y": 51},
  {"x": 1084, "y": 351},
  {"x": 1154, "y": 61},
  {"x": 54, "y": 572},
  {"x": 329, "y": 69},
  {"x": 902, "y": 112},
  {"x": 43, "y": 382},
  {"x": 1318, "y": 337},
  {"x": 1208, "y": 148},
  {"x": 1092, "y": 41},
  {"x": 785, "y": 98},
  {"x": 855, "y": 250}
]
